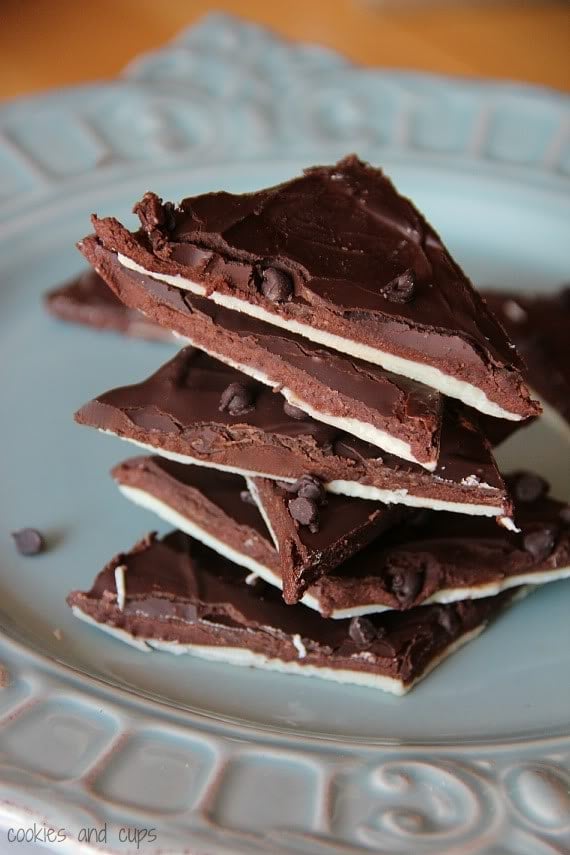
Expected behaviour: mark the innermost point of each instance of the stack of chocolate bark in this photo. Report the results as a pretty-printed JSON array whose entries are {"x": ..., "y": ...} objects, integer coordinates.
[{"x": 322, "y": 441}]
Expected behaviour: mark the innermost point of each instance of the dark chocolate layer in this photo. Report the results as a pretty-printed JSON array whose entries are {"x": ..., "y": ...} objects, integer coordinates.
[
  {"x": 346, "y": 255},
  {"x": 331, "y": 384},
  {"x": 178, "y": 410},
  {"x": 179, "y": 591},
  {"x": 540, "y": 327},
  {"x": 87, "y": 300}
]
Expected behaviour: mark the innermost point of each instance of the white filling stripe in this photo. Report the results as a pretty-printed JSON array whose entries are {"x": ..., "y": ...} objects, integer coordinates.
[
  {"x": 120, "y": 586},
  {"x": 427, "y": 374}
]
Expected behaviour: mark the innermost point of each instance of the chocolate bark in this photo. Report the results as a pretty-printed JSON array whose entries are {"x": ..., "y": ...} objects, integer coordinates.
[
  {"x": 176, "y": 594},
  {"x": 451, "y": 557},
  {"x": 392, "y": 412},
  {"x": 87, "y": 300},
  {"x": 540, "y": 326},
  {"x": 178, "y": 412},
  {"x": 338, "y": 256},
  {"x": 217, "y": 509},
  {"x": 435, "y": 557}
]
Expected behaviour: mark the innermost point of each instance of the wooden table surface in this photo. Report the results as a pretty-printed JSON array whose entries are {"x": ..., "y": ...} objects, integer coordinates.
[{"x": 47, "y": 43}]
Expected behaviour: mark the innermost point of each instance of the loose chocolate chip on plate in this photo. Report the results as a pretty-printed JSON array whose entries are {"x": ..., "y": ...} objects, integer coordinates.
[
  {"x": 236, "y": 400},
  {"x": 529, "y": 487},
  {"x": 539, "y": 543},
  {"x": 276, "y": 285},
  {"x": 362, "y": 631},
  {"x": 246, "y": 497},
  {"x": 28, "y": 541},
  {"x": 293, "y": 412},
  {"x": 401, "y": 289},
  {"x": 305, "y": 512}
]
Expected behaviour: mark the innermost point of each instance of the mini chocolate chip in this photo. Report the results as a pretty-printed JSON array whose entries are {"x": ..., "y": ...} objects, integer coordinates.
[
  {"x": 405, "y": 580},
  {"x": 529, "y": 487},
  {"x": 236, "y": 400},
  {"x": 564, "y": 514},
  {"x": 305, "y": 512},
  {"x": 362, "y": 631},
  {"x": 28, "y": 541},
  {"x": 246, "y": 497},
  {"x": 309, "y": 487},
  {"x": 293, "y": 412},
  {"x": 539, "y": 543},
  {"x": 401, "y": 289},
  {"x": 276, "y": 284}
]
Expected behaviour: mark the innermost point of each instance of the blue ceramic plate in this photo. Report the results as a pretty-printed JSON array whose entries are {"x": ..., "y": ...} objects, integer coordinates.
[{"x": 200, "y": 755}]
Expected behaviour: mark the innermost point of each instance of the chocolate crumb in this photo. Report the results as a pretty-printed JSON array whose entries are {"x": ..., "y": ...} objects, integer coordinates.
[
  {"x": 539, "y": 543},
  {"x": 154, "y": 213},
  {"x": 276, "y": 285},
  {"x": 246, "y": 497},
  {"x": 401, "y": 289},
  {"x": 236, "y": 400},
  {"x": 28, "y": 541},
  {"x": 305, "y": 512},
  {"x": 362, "y": 631},
  {"x": 293, "y": 412},
  {"x": 529, "y": 487}
]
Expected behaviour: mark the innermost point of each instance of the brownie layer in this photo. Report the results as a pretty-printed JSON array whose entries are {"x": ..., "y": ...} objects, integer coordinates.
[
  {"x": 87, "y": 300},
  {"x": 396, "y": 414},
  {"x": 176, "y": 594},
  {"x": 427, "y": 558},
  {"x": 339, "y": 257},
  {"x": 179, "y": 412},
  {"x": 540, "y": 327}
]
